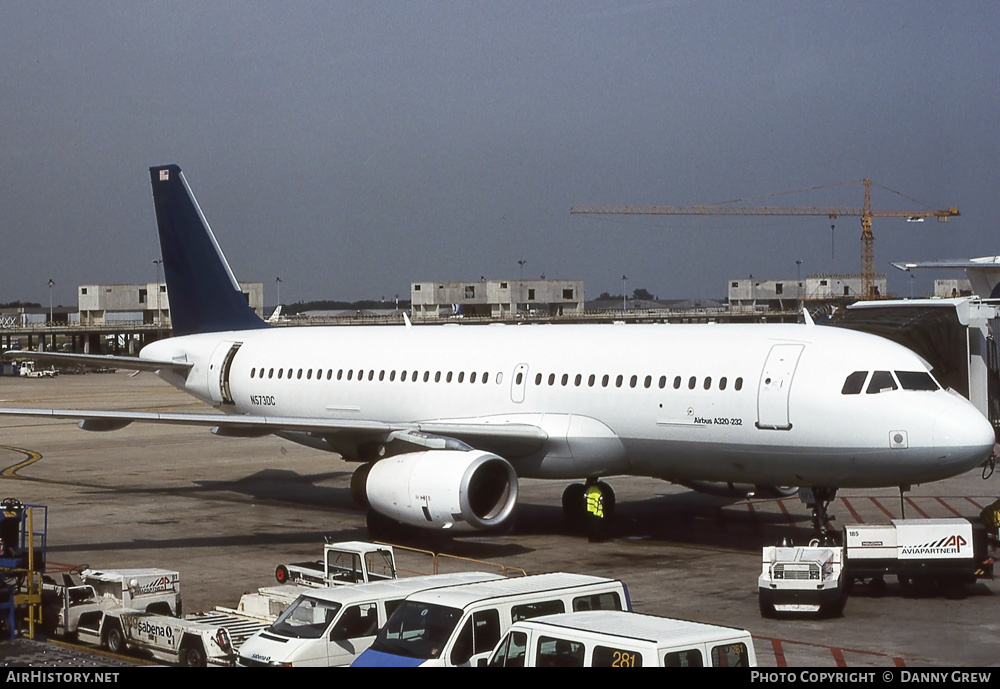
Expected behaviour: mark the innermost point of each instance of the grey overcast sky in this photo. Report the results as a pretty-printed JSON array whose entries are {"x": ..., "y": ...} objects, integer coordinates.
[{"x": 353, "y": 147}]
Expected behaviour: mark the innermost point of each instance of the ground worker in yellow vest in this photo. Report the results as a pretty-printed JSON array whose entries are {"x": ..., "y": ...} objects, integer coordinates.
[
  {"x": 595, "y": 513},
  {"x": 990, "y": 517}
]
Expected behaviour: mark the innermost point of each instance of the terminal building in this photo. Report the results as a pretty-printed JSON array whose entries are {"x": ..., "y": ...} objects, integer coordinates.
[
  {"x": 783, "y": 294},
  {"x": 143, "y": 303},
  {"x": 495, "y": 298}
]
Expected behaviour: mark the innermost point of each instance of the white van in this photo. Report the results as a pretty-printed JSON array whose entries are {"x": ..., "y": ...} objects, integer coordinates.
[
  {"x": 606, "y": 638},
  {"x": 460, "y": 625},
  {"x": 332, "y": 626}
]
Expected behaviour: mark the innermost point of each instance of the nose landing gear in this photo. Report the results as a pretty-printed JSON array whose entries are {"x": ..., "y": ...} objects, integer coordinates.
[{"x": 818, "y": 500}]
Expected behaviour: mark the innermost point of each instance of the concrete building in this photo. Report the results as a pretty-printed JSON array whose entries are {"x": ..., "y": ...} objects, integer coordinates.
[
  {"x": 495, "y": 298},
  {"x": 145, "y": 303},
  {"x": 948, "y": 289},
  {"x": 782, "y": 294}
]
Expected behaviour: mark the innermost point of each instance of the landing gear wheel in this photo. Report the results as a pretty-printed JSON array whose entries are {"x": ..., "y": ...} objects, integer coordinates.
[
  {"x": 574, "y": 502},
  {"x": 359, "y": 481}
]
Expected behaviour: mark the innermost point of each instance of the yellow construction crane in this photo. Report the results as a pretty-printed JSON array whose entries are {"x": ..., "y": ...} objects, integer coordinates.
[{"x": 865, "y": 213}]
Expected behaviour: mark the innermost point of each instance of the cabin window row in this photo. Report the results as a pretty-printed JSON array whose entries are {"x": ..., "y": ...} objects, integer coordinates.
[
  {"x": 634, "y": 381},
  {"x": 369, "y": 374}
]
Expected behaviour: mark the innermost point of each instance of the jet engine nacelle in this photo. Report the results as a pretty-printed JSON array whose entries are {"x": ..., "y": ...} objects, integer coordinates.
[
  {"x": 741, "y": 490},
  {"x": 461, "y": 490}
]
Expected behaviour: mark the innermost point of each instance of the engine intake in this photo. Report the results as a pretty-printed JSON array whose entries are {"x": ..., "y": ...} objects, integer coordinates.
[{"x": 446, "y": 489}]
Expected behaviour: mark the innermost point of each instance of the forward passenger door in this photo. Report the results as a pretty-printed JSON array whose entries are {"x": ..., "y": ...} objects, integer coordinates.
[{"x": 775, "y": 386}]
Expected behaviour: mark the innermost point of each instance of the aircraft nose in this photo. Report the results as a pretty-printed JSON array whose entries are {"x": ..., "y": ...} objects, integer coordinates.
[{"x": 963, "y": 436}]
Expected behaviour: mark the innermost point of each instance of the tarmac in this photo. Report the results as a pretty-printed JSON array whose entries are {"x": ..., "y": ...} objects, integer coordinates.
[{"x": 225, "y": 511}]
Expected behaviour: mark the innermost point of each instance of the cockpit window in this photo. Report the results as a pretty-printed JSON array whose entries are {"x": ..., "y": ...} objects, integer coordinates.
[
  {"x": 882, "y": 381},
  {"x": 854, "y": 383},
  {"x": 916, "y": 380}
]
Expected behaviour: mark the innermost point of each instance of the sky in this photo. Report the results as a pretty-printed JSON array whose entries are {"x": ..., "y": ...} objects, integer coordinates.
[{"x": 351, "y": 148}]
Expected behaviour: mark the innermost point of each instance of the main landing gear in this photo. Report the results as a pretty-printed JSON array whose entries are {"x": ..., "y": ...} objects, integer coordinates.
[{"x": 574, "y": 500}]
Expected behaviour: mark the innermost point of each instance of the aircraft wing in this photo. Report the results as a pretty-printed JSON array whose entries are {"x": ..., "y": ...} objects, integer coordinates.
[
  {"x": 983, "y": 262},
  {"x": 506, "y": 439},
  {"x": 96, "y": 360}
]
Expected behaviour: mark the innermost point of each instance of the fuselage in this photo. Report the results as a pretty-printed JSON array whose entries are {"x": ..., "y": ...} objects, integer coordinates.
[{"x": 754, "y": 403}]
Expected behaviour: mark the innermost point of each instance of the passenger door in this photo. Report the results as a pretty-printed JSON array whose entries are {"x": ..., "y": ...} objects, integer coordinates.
[
  {"x": 775, "y": 386},
  {"x": 218, "y": 371},
  {"x": 478, "y": 637},
  {"x": 353, "y": 633}
]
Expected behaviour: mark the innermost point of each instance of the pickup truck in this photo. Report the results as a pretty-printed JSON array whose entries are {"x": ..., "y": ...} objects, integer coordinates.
[
  {"x": 79, "y": 601},
  {"x": 132, "y": 610}
]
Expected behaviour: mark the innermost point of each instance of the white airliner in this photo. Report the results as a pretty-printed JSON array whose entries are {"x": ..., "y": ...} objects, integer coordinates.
[{"x": 446, "y": 419}]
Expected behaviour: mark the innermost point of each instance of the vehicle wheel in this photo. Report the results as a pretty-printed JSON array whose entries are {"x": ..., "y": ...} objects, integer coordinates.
[
  {"x": 574, "y": 503},
  {"x": 193, "y": 655},
  {"x": 766, "y": 604},
  {"x": 115, "y": 639},
  {"x": 834, "y": 608},
  {"x": 281, "y": 574},
  {"x": 50, "y": 620},
  {"x": 953, "y": 589}
]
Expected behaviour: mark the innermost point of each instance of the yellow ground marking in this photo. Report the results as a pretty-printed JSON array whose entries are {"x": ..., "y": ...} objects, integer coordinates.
[{"x": 30, "y": 458}]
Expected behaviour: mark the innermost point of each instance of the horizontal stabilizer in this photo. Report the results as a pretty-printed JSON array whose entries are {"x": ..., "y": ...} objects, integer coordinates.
[{"x": 65, "y": 359}]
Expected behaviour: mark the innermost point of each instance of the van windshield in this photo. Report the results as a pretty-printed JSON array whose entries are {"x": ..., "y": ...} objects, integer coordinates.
[
  {"x": 306, "y": 618},
  {"x": 417, "y": 630}
]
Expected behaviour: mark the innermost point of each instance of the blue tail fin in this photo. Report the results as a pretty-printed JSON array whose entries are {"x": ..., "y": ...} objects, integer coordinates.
[{"x": 204, "y": 295}]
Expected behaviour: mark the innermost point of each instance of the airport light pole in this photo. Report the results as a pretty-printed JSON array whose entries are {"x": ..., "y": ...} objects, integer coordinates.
[
  {"x": 624, "y": 280},
  {"x": 520, "y": 284},
  {"x": 51, "y": 283},
  {"x": 798, "y": 278},
  {"x": 277, "y": 281}
]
